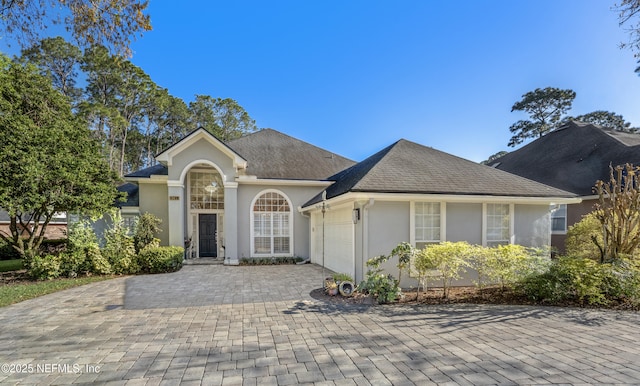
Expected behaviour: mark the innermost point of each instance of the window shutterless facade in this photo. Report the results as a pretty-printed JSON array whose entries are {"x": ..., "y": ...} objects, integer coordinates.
[
  {"x": 271, "y": 225},
  {"x": 498, "y": 224},
  {"x": 559, "y": 219}
]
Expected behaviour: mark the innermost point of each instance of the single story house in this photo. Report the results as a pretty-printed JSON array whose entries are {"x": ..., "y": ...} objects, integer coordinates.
[
  {"x": 268, "y": 194},
  {"x": 572, "y": 158}
]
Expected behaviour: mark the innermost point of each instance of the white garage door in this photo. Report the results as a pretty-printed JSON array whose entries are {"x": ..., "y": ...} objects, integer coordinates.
[{"x": 338, "y": 241}]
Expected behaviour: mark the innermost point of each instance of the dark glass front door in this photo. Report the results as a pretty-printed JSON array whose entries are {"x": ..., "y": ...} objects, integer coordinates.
[{"x": 207, "y": 235}]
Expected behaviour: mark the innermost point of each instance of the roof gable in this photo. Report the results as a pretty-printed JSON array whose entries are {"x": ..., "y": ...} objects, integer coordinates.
[
  {"x": 274, "y": 155},
  {"x": 573, "y": 157},
  {"x": 167, "y": 155}
]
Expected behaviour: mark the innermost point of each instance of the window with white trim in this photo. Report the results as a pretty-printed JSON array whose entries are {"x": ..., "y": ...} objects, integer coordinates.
[
  {"x": 271, "y": 228},
  {"x": 559, "y": 219},
  {"x": 498, "y": 228},
  {"x": 427, "y": 223},
  {"x": 206, "y": 190}
]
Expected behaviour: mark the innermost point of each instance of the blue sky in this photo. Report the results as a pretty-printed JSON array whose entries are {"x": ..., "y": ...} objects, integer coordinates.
[{"x": 354, "y": 76}]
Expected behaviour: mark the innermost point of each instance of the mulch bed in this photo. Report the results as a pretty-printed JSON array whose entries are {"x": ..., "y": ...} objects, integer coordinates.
[{"x": 462, "y": 295}]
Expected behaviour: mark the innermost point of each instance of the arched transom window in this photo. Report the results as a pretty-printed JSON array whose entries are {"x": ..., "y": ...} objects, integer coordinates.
[
  {"x": 272, "y": 227},
  {"x": 206, "y": 190}
]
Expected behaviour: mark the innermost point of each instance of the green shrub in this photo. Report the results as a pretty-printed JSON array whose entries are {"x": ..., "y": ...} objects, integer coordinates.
[
  {"x": 582, "y": 237},
  {"x": 98, "y": 264},
  {"x": 449, "y": 259},
  {"x": 44, "y": 267},
  {"x": 153, "y": 259},
  {"x": 7, "y": 252},
  {"x": 569, "y": 278},
  {"x": 74, "y": 263},
  {"x": 146, "y": 229},
  {"x": 119, "y": 249},
  {"x": 384, "y": 287}
]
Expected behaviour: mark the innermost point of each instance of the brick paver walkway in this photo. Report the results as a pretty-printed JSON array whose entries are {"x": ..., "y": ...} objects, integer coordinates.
[{"x": 258, "y": 326}]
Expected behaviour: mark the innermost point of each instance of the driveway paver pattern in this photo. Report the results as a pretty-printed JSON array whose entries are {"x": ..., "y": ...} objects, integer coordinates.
[{"x": 217, "y": 325}]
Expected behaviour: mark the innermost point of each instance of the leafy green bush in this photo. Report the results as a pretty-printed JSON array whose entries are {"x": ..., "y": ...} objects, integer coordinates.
[
  {"x": 44, "y": 267},
  {"x": 97, "y": 262},
  {"x": 119, "y": 249},
  {"x": 7, "y": 252},
  {"x": 74, "y": 263},
  {"x": 448, "y": 258},
  {"x": 569, "y": 278},
  {"x": 146, "y": 229},
  {"x": 505, "y": 264},
  {"x": 270, "y": 260},
  {"x": 154, "y": 259},
  {"x": 582, "y": 237},
  {"x": 384, "y": 287}
]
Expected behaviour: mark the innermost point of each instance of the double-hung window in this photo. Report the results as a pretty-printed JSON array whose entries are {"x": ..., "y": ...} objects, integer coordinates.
[
  {"x": 498, "y": 224},
  {"x": 559, "y": 219},
  {"x": 427, "y": 220}
]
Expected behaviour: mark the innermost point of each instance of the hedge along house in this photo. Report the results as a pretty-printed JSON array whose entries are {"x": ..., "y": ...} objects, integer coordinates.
[{"x": 262, "y": 196}]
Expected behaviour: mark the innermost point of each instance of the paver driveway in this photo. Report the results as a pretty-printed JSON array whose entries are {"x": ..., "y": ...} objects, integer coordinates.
[{"x": 258, "y": 325}]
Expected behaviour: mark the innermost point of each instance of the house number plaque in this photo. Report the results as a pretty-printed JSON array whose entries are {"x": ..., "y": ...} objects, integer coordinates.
[{"x": 174, "y": 198}]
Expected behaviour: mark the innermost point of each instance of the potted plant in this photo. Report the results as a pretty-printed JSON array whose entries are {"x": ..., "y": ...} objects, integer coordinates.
[{"x": 331, "y": 287}]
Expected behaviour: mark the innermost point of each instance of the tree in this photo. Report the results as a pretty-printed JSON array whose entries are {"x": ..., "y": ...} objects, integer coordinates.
[
  {"x": 494, "y": 157},
  {"x": 111, "y": 23},
  {"x": 618, "y": 210},
  {"x": 224, "y": 118},
  {"x": 49, "y": 161},
  {"x": 545, "y": 107},
  {"x": 605, "y": 119},
  {"x": 60, "y": 61}
]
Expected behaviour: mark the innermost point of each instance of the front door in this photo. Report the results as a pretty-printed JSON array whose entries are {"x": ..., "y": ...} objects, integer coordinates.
[{"x": 207, "y": 245}]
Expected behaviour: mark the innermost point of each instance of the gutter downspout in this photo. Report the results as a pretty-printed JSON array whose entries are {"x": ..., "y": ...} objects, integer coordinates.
[{"x": 365, "y": 234}]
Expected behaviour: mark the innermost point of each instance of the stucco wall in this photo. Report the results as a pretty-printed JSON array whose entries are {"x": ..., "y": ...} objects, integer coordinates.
[
  {"x": 154, "y": 199},
  {"x": 298, "y": 195},
  {"x": 464, "y": 222},
  {"x": 388, "y": 226},
  {"x": 202, "y": 150},
  {"x": 532, "y": 224}
]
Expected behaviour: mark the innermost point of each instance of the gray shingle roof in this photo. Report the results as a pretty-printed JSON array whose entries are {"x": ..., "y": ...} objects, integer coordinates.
[
  {"x": 133, "y": 197},
  {"x": 407, "y": 167},
  {"x": 573, "y": 157},
  {"x": 271, "y": 154},
  {"x": 155, "y": 170}
]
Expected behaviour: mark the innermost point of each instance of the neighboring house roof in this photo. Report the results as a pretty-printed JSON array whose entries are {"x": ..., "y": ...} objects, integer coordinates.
[
  {"x": 573, "y": 157},
  {"x": 271, "y": 154},
  {"x": 133, "y": 197},
  {"x": 407, "y": 167}
]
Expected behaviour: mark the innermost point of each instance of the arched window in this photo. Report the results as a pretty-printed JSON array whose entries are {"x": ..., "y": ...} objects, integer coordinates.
[{"x": 271, "y": 225}]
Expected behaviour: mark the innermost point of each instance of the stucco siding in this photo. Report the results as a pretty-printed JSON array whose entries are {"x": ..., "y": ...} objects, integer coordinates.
[
  {"x": 301, "y": 224},
  {"x": 388, "y": 225},
  {"x": 532, "y": 225},
  {"x": 464, "y": 222},
  {"x": 154, "y": 199},
  {"x": 574, "y": 215},
  {"x": 201, "y": 150}
]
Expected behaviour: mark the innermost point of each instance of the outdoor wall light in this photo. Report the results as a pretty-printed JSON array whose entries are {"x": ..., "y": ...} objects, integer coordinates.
[{"x": 355, "y": 215}]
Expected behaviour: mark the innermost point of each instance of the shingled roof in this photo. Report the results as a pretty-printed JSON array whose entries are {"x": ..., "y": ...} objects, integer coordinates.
[
  {"x": 573, "y": 157},
  {"x": 407, "y": 167},
  {"x": 271, "y": 154}
]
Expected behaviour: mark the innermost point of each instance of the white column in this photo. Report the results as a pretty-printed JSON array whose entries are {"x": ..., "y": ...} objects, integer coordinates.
[
  {"x": 231, "y": 223},
  {"x": 176, "y": 213}
]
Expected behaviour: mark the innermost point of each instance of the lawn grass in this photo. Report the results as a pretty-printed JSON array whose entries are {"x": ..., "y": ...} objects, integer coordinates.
[
  {"x": 10, "y": 265},
  {"x": 14, "y": 293}
]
